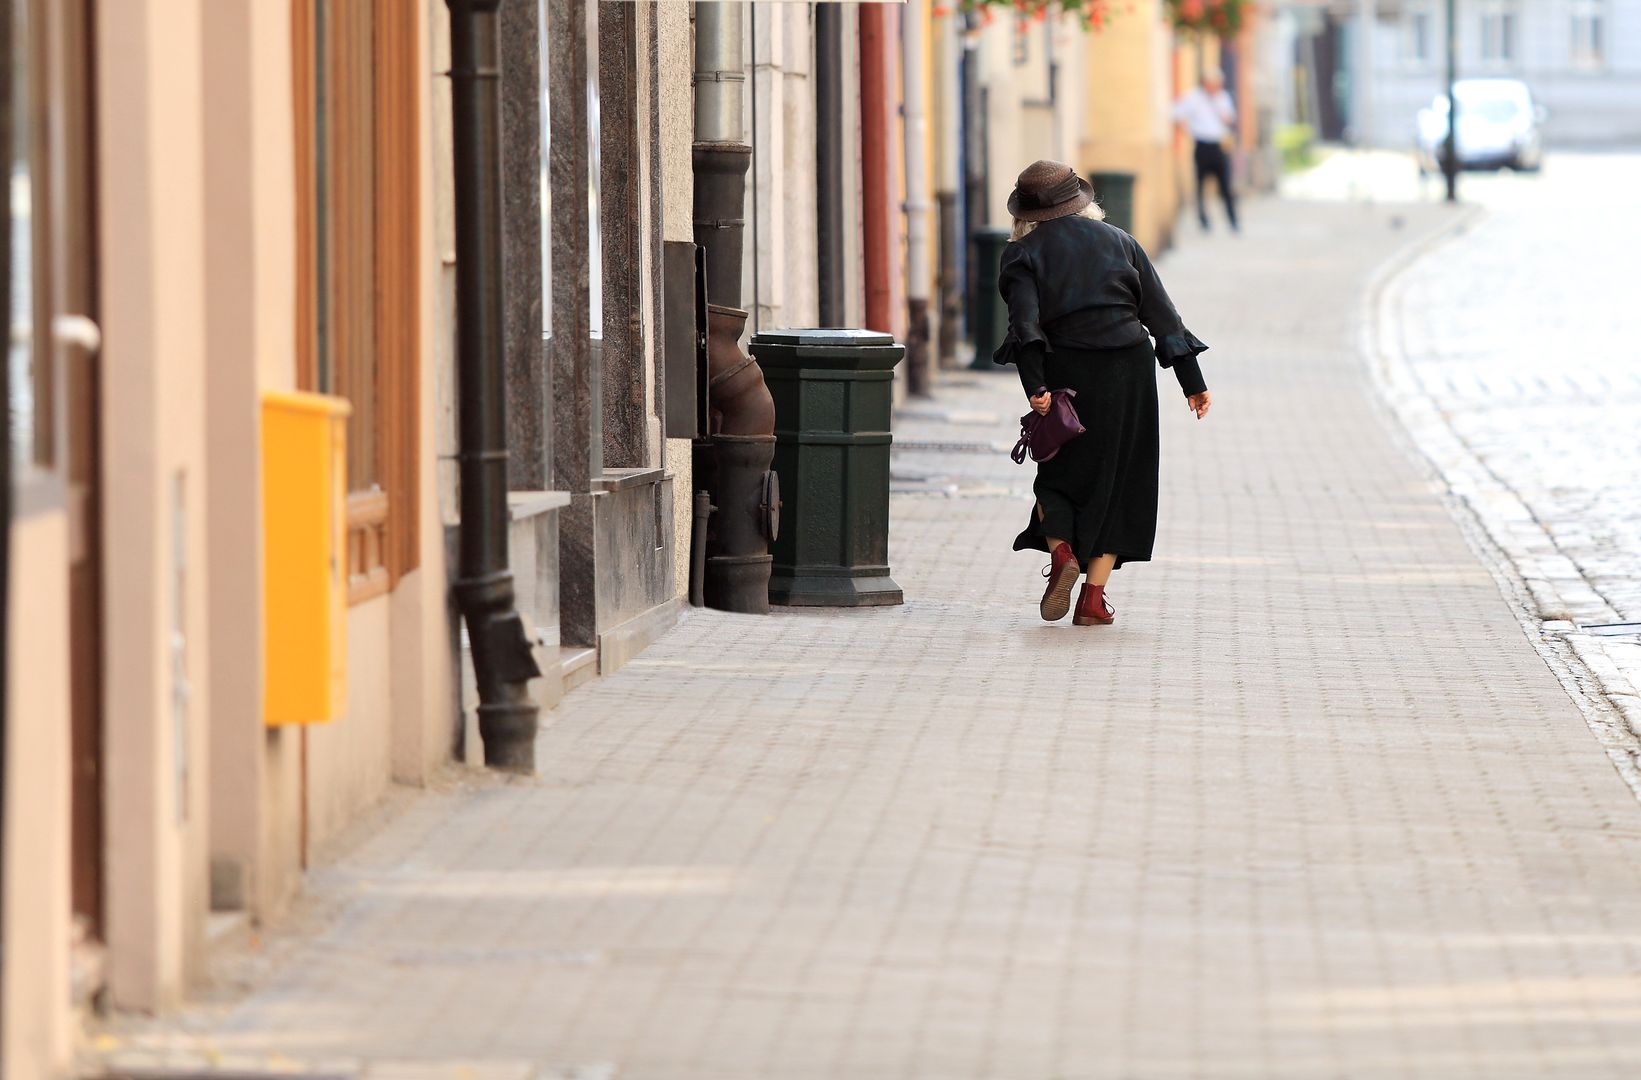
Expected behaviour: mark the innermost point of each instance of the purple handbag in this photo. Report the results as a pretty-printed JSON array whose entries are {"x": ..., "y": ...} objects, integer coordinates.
[{"x": 1042, "y": 435}]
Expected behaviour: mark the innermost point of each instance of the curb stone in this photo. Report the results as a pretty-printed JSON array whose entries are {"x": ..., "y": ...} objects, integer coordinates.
[{"x": 1545, "y": 589}]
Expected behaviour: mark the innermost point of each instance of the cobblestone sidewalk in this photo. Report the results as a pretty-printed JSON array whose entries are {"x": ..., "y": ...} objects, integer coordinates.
[{"x": 1314, "y": 807}]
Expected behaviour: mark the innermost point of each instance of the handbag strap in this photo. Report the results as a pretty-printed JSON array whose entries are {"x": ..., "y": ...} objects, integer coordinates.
[
  {"x": 1028, "y": 425},
  {"x": 1019, "y": 451},
  {"x": 1018, "y": 454}
]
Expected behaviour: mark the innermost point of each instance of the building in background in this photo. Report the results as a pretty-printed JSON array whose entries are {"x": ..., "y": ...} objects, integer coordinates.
[{"x": 1580, "y": 58}]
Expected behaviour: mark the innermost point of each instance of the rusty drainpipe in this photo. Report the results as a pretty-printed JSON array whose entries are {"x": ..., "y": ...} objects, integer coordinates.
[
  {"x": 502, "y": 661},
  {"x": 874, "y": 165},
  {"x": 733, "y": 462}
]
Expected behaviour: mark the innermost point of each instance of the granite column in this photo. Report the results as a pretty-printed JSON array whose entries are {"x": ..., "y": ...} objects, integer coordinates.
[
  {"x": 528, "y": 421},
  {"x": 577, "y": 447}
]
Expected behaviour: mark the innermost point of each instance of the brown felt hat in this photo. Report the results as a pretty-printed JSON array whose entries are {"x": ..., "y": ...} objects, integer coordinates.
[{"x": 1049, "y": 190}]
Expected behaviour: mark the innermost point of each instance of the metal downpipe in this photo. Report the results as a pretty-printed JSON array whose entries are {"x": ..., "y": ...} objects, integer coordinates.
[
  {"x": 732, "y": 463},
  {"x": 720, "y": 155},
  {"x": 502, "y": 661},
  {"x": 829, "y": 157}
]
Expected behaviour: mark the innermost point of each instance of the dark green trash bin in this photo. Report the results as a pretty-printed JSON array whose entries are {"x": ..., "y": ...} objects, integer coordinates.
[
  {"x": 988, "y": 315},
  {"x": 833, "y": 397},
  {"x": 1114, "y": 191}
]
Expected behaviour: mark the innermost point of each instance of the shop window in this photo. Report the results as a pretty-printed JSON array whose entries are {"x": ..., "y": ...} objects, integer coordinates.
[{"x": 358, "y": 253}]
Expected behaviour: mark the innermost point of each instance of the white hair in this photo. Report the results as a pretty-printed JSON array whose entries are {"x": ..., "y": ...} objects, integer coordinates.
[{"x": 1022, "y": 228}]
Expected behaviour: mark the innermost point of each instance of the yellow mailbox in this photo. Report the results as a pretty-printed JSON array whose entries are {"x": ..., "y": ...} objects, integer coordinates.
[{"x": 304, "y": 557}]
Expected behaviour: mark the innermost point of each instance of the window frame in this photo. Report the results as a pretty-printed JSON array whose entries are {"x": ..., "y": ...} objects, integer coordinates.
[
  {"x": 1418, "y": 29},
  {"x": 382, "y": 517},
  {"x": 1589, "y": 15},
  {"x": 1499, "y": 25}
]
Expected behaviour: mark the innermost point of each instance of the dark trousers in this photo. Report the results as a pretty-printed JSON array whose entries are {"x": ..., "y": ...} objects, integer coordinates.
[{"x": 1212, "y": 160}]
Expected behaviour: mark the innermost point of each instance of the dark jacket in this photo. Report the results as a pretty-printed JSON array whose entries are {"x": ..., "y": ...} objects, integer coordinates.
[{"x": 1076, "y": 283}]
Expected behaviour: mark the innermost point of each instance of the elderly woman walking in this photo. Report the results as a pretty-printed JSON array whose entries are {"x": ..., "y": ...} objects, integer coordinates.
[{"x": 1084, "y": 302}]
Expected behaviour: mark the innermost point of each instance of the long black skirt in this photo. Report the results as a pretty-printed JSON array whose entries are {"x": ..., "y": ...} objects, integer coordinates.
[{"x": 1099, "y": 493}]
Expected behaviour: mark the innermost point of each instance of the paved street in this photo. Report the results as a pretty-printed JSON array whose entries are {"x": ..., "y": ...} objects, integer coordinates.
[
  {"x": 1316, "y": 806},
  {"x": 1523, "y": 333}
]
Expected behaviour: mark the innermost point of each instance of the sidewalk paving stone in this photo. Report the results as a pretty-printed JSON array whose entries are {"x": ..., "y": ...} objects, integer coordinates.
[{"x": 1314, "y": 807}]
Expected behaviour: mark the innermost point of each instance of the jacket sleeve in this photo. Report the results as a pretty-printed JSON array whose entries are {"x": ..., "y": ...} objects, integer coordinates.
[
  {"x": 1026, "y": 344},
  {"x": 1177, "y": 347}
]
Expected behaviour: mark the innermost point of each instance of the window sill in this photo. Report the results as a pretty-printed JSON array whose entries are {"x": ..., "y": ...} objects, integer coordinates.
[
  {"x": 622, "y": 479},
  {"x": 522, "y": 505},
  {"x": 368, "y": 575}
]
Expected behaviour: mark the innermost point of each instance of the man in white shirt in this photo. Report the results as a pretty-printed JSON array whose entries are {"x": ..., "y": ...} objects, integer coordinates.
[{"x": 1209, "y": 115}]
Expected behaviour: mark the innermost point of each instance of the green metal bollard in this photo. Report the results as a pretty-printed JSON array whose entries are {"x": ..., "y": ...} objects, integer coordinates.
[
  {"x": 833, "y": 397},
  {"x": 990, "y": 315},
  {"x": 1114, "y": 191}
]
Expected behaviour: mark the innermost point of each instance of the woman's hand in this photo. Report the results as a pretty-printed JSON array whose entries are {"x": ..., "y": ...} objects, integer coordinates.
[
  {"x": 1042, "y": 401},
  {"x": 1198, "y": 403}
]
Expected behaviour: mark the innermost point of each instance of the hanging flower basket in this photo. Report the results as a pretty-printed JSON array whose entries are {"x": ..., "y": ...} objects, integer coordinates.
[
  {"x": 1093, "y": 14},
  {"x": 1221, "y": 18}
]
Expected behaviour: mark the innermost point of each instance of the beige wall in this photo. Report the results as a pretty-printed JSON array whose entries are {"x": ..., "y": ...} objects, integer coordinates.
[
  {"x": 35, "y": 994},
  {"x": 422, "y": 702},
  {"x": 781, "y": 240},
  {"x": 349, "y": 760},
  {"x": 196, "y": 260},
  {"x": 250, "y": 337},
  {"x": 235, "y": 513},
  {"x": 673, "y": 40},
  {"x": 1129, "y": 92},
  {"x": 400, "y": 715},
  {"x": 156, "y": 581},
  {"x": 1020, "y": 126}
]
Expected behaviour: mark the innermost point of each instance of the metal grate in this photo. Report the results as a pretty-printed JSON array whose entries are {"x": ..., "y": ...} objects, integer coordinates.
[{"x": 1616, "y": 629}]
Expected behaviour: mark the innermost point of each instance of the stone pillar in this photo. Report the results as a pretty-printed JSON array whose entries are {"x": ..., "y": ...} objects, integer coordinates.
[
  {"x": 649, "y": 111},
  {"x": 623, "y": 370},
  {"x": 528, "y": 422},
  {"x": 577, "y": 448}
]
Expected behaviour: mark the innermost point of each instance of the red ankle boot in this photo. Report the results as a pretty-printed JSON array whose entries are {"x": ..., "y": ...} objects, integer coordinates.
[
  {"x": 1062, "y": 574},
  {"x": 1092, "y": 608}
]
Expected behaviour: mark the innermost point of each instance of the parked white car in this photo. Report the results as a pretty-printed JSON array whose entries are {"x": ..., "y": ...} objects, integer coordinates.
[{"x": 1499, "y": 125}]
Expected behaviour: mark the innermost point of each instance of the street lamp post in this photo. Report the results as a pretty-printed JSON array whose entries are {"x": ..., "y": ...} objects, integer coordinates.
[{"x": 1450, "y": 152}]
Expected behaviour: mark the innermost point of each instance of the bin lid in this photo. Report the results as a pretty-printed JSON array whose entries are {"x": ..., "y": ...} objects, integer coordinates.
[
  {"x": 302, "y": 401},
  {"x": 825, "y": 337}
]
